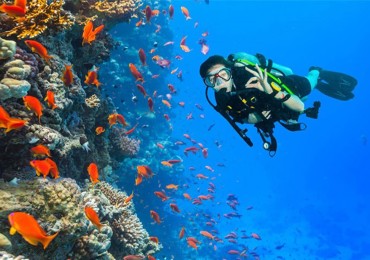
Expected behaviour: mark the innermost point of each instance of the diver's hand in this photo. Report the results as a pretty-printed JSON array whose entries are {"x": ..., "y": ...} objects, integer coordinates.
[{"x": 259, "y": 80}]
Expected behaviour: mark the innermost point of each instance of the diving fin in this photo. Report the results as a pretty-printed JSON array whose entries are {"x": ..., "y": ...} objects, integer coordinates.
[{"x": 336, "y": 85}]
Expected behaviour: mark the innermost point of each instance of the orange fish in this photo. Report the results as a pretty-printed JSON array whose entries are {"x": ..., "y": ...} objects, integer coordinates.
[
  {"x": 182, "y": 232},
  {"x": 134, "y": 71},
  {"x": 89, "y": 35},
  {"x": 4, "y": 117},
  {"x": 92, "y": 77},
  {"x": 161, "y": 195},
  {"x": 166, "y": 103},
  {"x": 93, "y": 217},
  {"x": 154, "y": 239},
  {"x": 183, "y": 44},
  {"x": 151, "y": 257},
  {"x": 138, "y": 179},
  {"x": 144, "y": 171},
  {"x": 14, "y": 123},
  {"x": 174, "y": 207},
  {"x": 54, "y": 168},
  {"x": 67, "y": 77},
  {"x": 142, "y": 57},
  {"x": 130, "y": 131},
  {"x": 41, "y": 167},
  {"x": 139, "y": 23},
  {"x": 155, "y": 216},
  {"x": 92, "y": 169},
  {"x": 207, "y": 234},
  {"x": 50, "y": 99},
  {"x": 172, "y": 187},
  {"x": 99, "y": 130},
  {"x": 185, "y": 11},
  {"x": 192, "y": 244},
  {"x": 113, "y": 118},
  {"x": 13, "y": 10},
  {"x": 40, "y": 150},
  {"x": 33, "y": 104},
  {"x": 27, "y": 226},
  {"x": 166, "y": 163},
  {"x": 38, "y": 48},
  {"x": 129, "y": 198},
  {"x": 256, "y": 236},
  {"x": 186, "y": 196}
]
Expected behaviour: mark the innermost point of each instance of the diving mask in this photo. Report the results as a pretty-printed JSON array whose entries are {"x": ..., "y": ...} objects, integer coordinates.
[{"x": 211, "y": 80}]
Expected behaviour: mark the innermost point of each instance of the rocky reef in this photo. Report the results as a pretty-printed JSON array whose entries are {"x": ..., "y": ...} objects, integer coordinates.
[{"x": 59, "y": 205}]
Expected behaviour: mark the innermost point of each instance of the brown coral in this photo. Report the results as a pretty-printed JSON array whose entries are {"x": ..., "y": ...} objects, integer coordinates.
[
  {"x": 39, "y": 17},
  {"x": 129, "y": 235}
]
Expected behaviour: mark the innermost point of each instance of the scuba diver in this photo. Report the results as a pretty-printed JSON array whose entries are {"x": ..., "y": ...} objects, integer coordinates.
[{"x": 250, "y": 89}]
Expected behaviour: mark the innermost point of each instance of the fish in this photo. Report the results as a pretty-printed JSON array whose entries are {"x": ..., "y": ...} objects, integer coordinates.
[
  {"x": 204, "y": 49},
  {"x": 67, "y": 77},
  {"x": 130, "y": 131},
  {"x": 172, "y": 187},
  {"x": 144, "y": 171},
  {"x": 166, "y": 103},
  {"x": 207, "y": 234},
  {"x": 174, "y": 207},
  {"x": 89, "y": 34},
  {"x": 128, "y": 199},
  {"x": 40, "y": 150},
  {"x": 26, "y": 225},
  {"x": 13, "y": 10},
  {"x": 185, "y": 12},
  {"x": 141, "y": 89},
  {"x": 41, "y": 167},
  {"x": 99, "y": 130},
  {"x": 138, "y": 179},
  {"x": 171, "y": 11},
  {"x": 54, "y": 168},
  {"x": 256, "y": 236},
  {"x": 10, "y": 123},
  {"x": 33, "y": 104},
  {"x": 142, "y": 57},
  {"x": 182, "y": 232},
  {"x": 151, "y": 104},
  {"x": 92, "y": 77},
  {"x": 154, "y": 239},
  {"x": 148, "y": 13},
  {"x": 135, "y": 72},
  {"x": 183, "y": 45},
  {"x": 50, "y": 99},
  {"x": 38, "y": 48},
  {"x": 133, "y": 257},
  {"x": 93, "y": 217},
  {"x": 93, "y": 171},
  {"x": 154, "y": 215},
  {"x": 161, "y": 195},
  {"x": 186, "y": 196}
]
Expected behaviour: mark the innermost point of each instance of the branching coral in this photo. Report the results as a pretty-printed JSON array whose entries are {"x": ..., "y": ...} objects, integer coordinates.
[
  {"x": 129, "y": 235},
  {"x": 41, "y": 16},
  {"x": 123, "y": 9},
  {"x": 123, "y": 145}
]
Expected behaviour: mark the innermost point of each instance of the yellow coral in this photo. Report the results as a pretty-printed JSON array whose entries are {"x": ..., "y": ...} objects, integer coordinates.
[
  {"x": 124, "y": 9},
  {"x": 39, "y": 17}
]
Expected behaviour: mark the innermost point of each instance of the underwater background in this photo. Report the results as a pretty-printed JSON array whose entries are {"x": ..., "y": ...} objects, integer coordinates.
[{"x": 309, "y": 201}]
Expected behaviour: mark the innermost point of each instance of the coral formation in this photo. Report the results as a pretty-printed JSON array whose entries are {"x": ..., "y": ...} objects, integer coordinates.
[
  {"x": 93, "y": 101},
  {"x": 14, "y": 83},
  {"x": 123, "y": 9},
  {"x": 123, "y": 146},
  {"x": 41, "y": 16},
  {"x": 7, "y": 49}
]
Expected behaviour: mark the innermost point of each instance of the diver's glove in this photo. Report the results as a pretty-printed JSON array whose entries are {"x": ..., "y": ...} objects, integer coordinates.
[{"x": 313, "y": 112}]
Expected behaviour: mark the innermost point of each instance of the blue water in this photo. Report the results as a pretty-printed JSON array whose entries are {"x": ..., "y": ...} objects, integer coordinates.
[{"x": 312, "y": 197}]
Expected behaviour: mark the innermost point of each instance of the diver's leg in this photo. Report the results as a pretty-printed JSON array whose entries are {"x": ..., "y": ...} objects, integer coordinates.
[{"x": 313, "y": 77}]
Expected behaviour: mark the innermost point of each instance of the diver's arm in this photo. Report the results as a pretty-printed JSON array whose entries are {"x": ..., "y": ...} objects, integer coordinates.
[{"x": 293, "y": 102}]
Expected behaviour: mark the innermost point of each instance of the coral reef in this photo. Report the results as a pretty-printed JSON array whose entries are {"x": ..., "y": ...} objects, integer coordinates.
[
  {"x": 122, "y": 9},
  {"x": 7, "y": 49},
  {"x": 59, "y": 205},
  {"x": 39, "y": 17},
  {"x": 122, "y": 145},
  {"x": 14, "y": 84}
]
